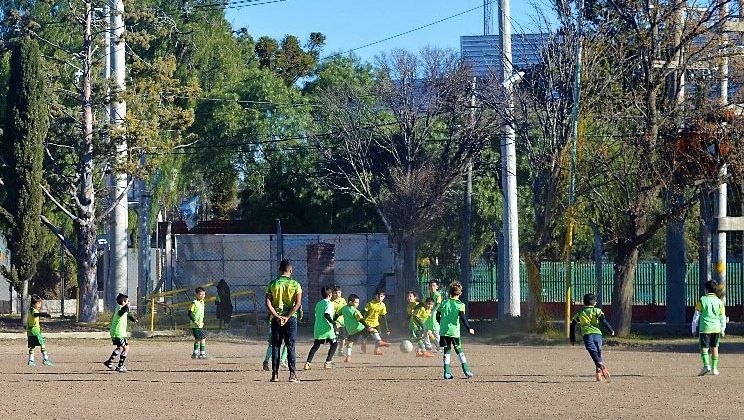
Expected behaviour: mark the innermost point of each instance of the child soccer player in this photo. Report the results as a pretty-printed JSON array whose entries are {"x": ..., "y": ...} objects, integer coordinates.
[
  {"x": 119, "y": 333},
  {"x": 374, "y": 310},
  {"x": 324, "y": 331},
  {"x": 338, "y": 303},
  {"x": 709, "y": 323},
  {"x": 354, "y": 324},
  {"x": 449, "y": 316},
  {"x": 413, "y": 302},
  {"x": 419, "y": 315},
  {"x": 196, "y": 315},
  {"x": 33, "y": 331},
  {"x": 432, "y": 325},
  {"x": 589, "y": 320}
]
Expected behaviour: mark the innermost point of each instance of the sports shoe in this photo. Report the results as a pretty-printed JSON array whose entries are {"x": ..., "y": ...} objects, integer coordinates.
[
  {"x": 328, "y": 365},
  {"x": 378, "y": 352},
  {"x": 448, "y": 375},
  {"x": 605, "y": 372},
  {"x": 419, "y": 353},
  {"x": 121, "y": 369},
  {"x": 266, "y": 365},
  {"x": 716, "y": 372},
  {"x": 468, "y": 374},
  {"x": 347, "y": 359},
  {"x": 31, "y": 363},
  {"x": 599, "y": 377},
  {"x": 47, "y": 362},
  {"x": 194, "y": 356},
  {"x": 364, "y": 347},
  {"x": 704, "y": 371},
  {"x": 203, "y": 356},
  {"x": 383, "y": 343},
  {"x": 307, "y": 366},
  {"x": 109, "y": 364},
  {"x": 293, "y": 377},
  {"x": 427, "y": 354},
  {"x": 274, "y": 378}
]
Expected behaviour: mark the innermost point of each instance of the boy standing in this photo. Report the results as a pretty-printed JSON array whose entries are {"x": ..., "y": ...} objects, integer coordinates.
[
  {"x": 33, "y": 331},
  {"x": 375, "y": 310},
  {"x": 449, "y": 316},
  {"x": 196, "y": 315},
  {"x": 323, "y": 330},
  {"x": 709, "y": 323},
  {"x": 119, "y": 333},
  {"x": 589, "y": 320},
  {"x": 432, "y": 325},
  {"x": 353, "y": 324},
  {"x": 338, "y": 303}
]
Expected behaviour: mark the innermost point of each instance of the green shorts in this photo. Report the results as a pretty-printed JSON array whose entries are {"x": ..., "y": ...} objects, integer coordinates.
[{"x": 198, "y": 334}]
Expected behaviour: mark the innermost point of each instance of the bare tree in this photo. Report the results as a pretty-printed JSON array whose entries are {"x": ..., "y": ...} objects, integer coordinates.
[{"x": 403, "y": 146}]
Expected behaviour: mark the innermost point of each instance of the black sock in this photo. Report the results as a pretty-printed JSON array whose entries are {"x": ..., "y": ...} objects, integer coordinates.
[
  {"x": 113, "y": 356},
  {"x": 122, "y": 357}
]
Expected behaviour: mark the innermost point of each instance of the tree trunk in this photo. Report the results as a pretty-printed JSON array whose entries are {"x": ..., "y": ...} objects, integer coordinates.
[
  {"x": 25, "y": 301},
  {"x": 598, "y": 264},
  {"x": 536, "y": 315},
  {"x": 626, "y": 262},
  {"x": 404, "y": 255},
  {"x": 86, "y": 275}
]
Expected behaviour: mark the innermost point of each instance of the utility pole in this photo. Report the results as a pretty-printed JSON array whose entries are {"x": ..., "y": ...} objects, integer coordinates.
[
  {"x": 465, "y": 268},
  {"x": 512, "y": 301},
  {"x": 487, "y": 17},
  {"x": 719, "y": 241},
  {"x": 118, "y": 194}
]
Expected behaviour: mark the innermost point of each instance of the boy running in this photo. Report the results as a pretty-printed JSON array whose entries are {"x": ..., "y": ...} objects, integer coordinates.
[
  {"x": 709, "y": 323},
  {"x": 119, "y": 333},
  {"x": 449, "y": 316},
  {"x": 33, "y": 331},
  {"x": 196, "y": 315},
  {"x": 432, "y": 324},
  {"x": 589, "y": 320},
  {"x": 419, "y": 315},
  {"x": 375, "y": 310},
  {"x": 338, "y": 303},
  {"x": 354, "y": 324},
  {"x": 323, "y": 330}
]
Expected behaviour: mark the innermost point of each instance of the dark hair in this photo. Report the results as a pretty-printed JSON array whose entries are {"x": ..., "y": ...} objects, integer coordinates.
[
  {"x": 455, "y": 288},
  {"x": 379, "y": 292},
  {"x": 199, "y": 289},
  {"x": 326, "y": 292},
  {"x": 590, "y": 299},
  {"x": 336, "y": 288},
  {"x": 711, "y": 286},
  {"x": 35, "y": 299},
  {"x": 120, "y": 298},
  {"x": 285, "y": 265},
  {"x": 352, "y": 297},
  {"x": 411, "y": 292},
  {"x": 435, "y": 281},
  {"x": 428, "y": 301}
]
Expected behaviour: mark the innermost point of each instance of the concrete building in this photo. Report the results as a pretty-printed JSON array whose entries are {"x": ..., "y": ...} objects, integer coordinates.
[{"x": 483, "y": 52}]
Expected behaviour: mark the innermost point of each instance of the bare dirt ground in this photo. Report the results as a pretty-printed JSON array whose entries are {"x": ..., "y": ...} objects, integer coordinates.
[{"x": 510, "y": 382}]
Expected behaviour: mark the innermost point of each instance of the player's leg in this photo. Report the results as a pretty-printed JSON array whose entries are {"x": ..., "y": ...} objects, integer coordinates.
[
  {"x": 203, "y": 347},
  {"x": 598, "y": 344},
  {"x": 378, "y": 340},
  {"x": 591, "y": 347},
  {"x": 117, "y": 350},
  {"x": 349, "y": 344},
  {"x": 342, "y": 334},
  {"x": 714, "y": 341},
  {"x": 331, "y": 352},
  {"x": 123, "y": 356},
  {"x": 267, "y": 356},
  {"x": 32, "y": 343},
  {"x": 195, "y": 353},
  {"x": 463, "y": 361},
  {"x": 313, "y": 349},
  {"x": 705, "y": 343},
  {"x": 290, "y": 337},
  {"x": 44, "y": 354},
  {"x": 446, "y": 343},
  {"x": 276, "y": 345}
]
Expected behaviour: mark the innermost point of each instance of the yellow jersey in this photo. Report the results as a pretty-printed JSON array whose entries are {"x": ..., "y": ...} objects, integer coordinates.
[
  {"x": 372, "y": 312},
  {"x": 411, "y": 307}
]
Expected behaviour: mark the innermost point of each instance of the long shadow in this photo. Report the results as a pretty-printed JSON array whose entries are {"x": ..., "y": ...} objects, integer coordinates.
[{"x": 691, "y": 347}]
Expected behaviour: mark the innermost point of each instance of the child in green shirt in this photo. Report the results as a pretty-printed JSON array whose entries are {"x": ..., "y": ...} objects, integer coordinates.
[
  {"x": 709, "y": 323},
  {"x": 589, "y": 320},
  {"x": 324, "y": 330},
  {"x": 449, "y": 315},
  {"x": 119, "y": 333},
  {"x": 196, "y": 315},
  {"x": 33, "y": 331}
]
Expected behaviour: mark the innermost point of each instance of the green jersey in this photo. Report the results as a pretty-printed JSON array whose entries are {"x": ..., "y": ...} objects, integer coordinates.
[
  {"x": 352, "y": 319},
  {"x": 197, "y": 311},
  {"x": 588, "y": 320},
  {"x": 431, "y": 322},
  {"x": 32, "y": 322},
  {"x": 283, "y": 292},
  {"x": 119, "y": 322},
  {"x": 324, "y": 329},
  {"x": 450, "y": 322},
  {"x": 712, "y": 314}
]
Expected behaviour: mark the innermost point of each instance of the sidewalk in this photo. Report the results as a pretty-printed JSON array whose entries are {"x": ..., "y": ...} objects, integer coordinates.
[{"x": 58, "y": 335}]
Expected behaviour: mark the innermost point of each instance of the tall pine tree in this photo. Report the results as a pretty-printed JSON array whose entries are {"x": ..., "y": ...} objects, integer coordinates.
[{"x": 22, "y": 152}]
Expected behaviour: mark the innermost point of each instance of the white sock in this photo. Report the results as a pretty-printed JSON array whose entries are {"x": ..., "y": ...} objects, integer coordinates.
[
  {"x": 446, "y": 358},
  {"x": 377, "y": 337},
  {"x": 30, "y": 357},
  {"x": 462, "y": 358},
  {"x": 45, "y": 355},
  {"x": 348, "y": 351}
]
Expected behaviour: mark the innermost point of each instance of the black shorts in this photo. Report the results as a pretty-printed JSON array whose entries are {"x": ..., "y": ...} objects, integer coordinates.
[
  {"x": 361, "y": 334},
  {"x": 119, "y": 341},
  {"x": 708, "y": 341},
  {"x": 198, "y": 334},
  {"x": 325, "y": 340},
  {"x": 445, "y": 341},
  {"x": 35, "y": 341},
  {"x": 341, "y": 333}
]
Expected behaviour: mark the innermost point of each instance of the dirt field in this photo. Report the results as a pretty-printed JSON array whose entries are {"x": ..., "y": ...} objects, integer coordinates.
[{"x": 163, "y": 382}]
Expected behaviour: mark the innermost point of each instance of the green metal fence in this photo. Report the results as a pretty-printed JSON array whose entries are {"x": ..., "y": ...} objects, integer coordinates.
[{"x": 649, "y": 287}]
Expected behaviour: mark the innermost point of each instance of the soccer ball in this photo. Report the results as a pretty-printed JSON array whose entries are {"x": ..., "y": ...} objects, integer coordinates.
[{"x": 406, "y": 346}]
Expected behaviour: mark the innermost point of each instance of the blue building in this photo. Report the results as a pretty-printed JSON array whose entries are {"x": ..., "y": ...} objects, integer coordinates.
[{"x": 483, "y": 52}]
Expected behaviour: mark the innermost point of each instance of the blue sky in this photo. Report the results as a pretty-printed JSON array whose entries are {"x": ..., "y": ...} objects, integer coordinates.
[{"x": 349, "y": 24}]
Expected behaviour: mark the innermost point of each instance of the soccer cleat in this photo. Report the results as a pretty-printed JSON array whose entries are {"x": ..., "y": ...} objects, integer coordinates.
[
  {"x": 31, "y": 363},
  {"x": 598, "y": 376},
  {"x": 121, "y": 369},
  {"x": 704, "y": 371},
  {"x": 419, "y": 353},
  {"x": 266, "y": 365},
  {"x": 328, "y": 365},
  {"x": 203, "y": 356},
  {"x": 47, "y": 362},
  {"x": 605, "y": 372},
  {"x": 427, "y": 354},
  {"x": 448, "y": 375},
  {"x": 383, "y": 343},
  {"x": 109, "y": 364},
  {"x": 347, "y": 359},
  {"x": 468, "y": 374},
  {"x": 274, "y": 378},
  {"x": 307, "y": 366},
  {"x": 378, "y": 352},
  {"x": 716, "y": 372},
  {"x": 364, "y": 347},
  {"x": 293, "y": 377},
  {"x": 194, "y": 356}
]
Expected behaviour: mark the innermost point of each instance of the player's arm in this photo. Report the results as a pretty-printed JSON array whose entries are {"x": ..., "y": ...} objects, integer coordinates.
[
  {"x": 572, "y": 332},
  {"x": 465, "y": 322},
  {"x": 328, "y": 318},
  {"x": 438, "y": 316},
  {"x": 696, "y": 317},
  {"x": 298, "y": 303},
  {"x": 192, "y": 314},
  {"x": 268, "y": 301},
  {"x": 124, "y": 309},
  {"x": 419, "y": 323},
  {"x": 723, "y": 321},
  {"x": 606, "y": 324}
]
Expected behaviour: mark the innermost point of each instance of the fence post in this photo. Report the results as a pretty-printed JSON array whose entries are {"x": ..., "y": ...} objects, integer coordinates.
[{"x": 653, "y": 283}]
